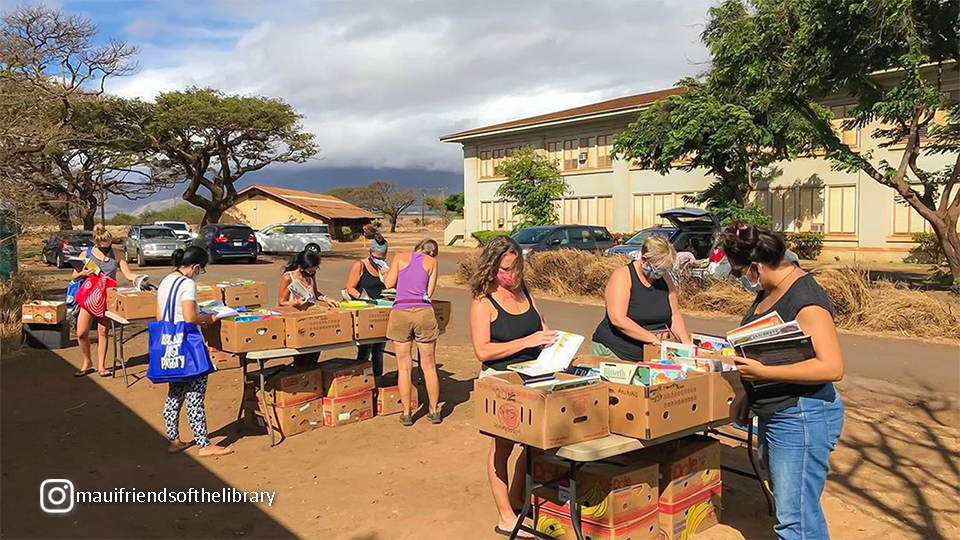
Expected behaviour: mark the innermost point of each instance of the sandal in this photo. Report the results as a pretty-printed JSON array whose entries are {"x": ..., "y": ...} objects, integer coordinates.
[
  {"x": 406, "y": 419},
  {"x": 84, "y": 372}
]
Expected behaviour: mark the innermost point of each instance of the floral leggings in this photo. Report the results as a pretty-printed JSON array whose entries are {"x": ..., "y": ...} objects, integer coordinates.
[{"x": 193, "y": 391}]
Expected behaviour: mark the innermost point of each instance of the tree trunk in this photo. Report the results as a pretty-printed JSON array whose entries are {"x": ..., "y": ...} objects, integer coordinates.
[
  {"x": 61, "y": 212},
  {"x": 212, "y": 216},
  {"x": 393, "y": 223},
  {"x": 950, "y": 242},
  {"x": 89, "y": 215}
]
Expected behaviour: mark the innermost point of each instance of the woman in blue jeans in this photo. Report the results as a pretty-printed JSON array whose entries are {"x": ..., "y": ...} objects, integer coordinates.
[{"x": 799, "y": 408}]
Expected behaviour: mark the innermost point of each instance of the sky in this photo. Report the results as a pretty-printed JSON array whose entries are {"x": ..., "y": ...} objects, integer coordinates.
[{"x": 378, "y": 82}]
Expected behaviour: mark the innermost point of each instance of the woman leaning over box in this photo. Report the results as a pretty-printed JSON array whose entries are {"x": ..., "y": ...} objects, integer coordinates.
[
  {"x": 799, "y": 408},
  {"x": 189, "y": 265},
  {"x": 302, "y": 269},
  {"x": 109, "y": 264},
  {"x": 642, "y": 304},
  {"x": 506, "y": 327},
  {"x": 412, "y": 319},
  {"x": 365, "y": 280}
]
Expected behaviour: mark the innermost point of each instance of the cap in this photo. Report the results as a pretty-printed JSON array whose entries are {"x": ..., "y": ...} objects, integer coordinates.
[{"x": 378, "y": 247}]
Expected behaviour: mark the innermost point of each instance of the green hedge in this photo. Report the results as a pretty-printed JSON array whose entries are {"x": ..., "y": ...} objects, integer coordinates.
[
  {"x": 807, "y": 245},
  {"x": 484, "y": 237}
]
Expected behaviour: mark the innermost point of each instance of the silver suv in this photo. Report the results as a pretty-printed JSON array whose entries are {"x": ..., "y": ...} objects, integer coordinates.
[
  {"x": 148, "y": 243},
  {"x": 294, "y": 237}
]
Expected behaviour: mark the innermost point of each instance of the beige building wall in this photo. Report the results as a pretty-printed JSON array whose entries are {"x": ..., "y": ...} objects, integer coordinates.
[{"x": 259, "y": 211}]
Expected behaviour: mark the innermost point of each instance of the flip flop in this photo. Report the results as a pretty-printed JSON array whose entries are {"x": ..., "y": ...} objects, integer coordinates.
[
  {"x": 520, "y": 534},
  {"x": 84, "y": 372},
  {"x": 106, "y": 374}
]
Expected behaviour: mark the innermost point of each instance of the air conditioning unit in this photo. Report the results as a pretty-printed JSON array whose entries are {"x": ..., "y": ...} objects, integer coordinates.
[
  {"x": 583, "y": 157},
  {"x": 816, "y": 227}
]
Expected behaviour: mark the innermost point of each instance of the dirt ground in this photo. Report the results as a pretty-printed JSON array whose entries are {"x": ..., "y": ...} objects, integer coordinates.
[{"x": 894, "y": 474}]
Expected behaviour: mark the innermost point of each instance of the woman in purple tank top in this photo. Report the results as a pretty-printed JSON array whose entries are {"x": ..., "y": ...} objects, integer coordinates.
[{"x": 412, "y": 319}]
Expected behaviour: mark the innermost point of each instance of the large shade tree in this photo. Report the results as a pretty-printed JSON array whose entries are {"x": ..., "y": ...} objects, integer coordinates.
[{"x": 384, "y": 198}]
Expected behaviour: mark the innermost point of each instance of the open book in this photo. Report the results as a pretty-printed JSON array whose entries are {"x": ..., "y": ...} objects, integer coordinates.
[
  {"x": 552, "y": 359},
  {"x": 300, "y": 291},
  {"x": 80, "y": 265},
  {"x": 217, "y": 309}
]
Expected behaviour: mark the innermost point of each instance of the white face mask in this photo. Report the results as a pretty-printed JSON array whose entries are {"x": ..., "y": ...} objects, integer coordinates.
[{"x": 749, "y": 285}]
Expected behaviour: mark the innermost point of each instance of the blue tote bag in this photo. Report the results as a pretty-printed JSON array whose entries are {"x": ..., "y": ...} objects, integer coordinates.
[{"x": 177, "y": 350}]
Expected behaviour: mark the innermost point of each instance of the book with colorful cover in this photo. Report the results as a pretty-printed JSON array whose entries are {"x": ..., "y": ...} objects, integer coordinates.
[
  {"x": 300, "y": 291},
  {"x": 771, "y": 319},
  {"x": 618, "y": 372},
  {"x": 217, "y": 309},
  {"x": 552, "y": 359},
  {"x": 789, "y": 328},
  {"x": 673, "y": 349},
  {"x": 707, "y": 343}
]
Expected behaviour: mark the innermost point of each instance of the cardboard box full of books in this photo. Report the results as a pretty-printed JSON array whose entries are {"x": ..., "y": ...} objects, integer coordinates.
[
  {"x": 345, "y": 377},
  {"x": 370, "y": 322},
  {"x": 388, "y": 400},
  {"x": 44, "y": 312},
  {"x": 444, "y": 310},
  {"x": 294, "y": 419},
  {"x": 245, "y": 334},
  {"x": 294, "y": 385},
  {"x": 558, "y": 525},
  {"x": 132, "y": 304},
  {"x": 245, "y": 292},
  {"x": 207, "y": 292},
  {"x": 542, "y": 417},
  {"x": 315, "y": 327},
  {"x": 340, "y": 411},
  {"x": 725, "y": 388}
]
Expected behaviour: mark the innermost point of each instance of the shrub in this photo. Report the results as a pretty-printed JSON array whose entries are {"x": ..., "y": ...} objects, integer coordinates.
[
  {"x": 807, "y": 245},
  {"x": 752, "y": 214},
  {"x": 18, "y": 289},
  {"x": 484, "y": 237},
  {"x": 927, "y": 251},
  {"x": 123, "y": 219}
]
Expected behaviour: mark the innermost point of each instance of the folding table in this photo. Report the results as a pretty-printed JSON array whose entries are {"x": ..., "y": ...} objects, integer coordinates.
[{"x": 117, "y": 326}]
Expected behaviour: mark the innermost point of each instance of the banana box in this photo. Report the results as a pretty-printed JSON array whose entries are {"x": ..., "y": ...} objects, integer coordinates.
[
  {"x": 294, "y": 385},
  {"x": 370, "y": 322},
  {"x": 345, "y": 377},
  {"x": 44, "y": 312},
  {"x": 558, "y": 525},
  {"x": 243, "y": 293},
  {"x": 725, "y": 387},
  {"x": 443, "y": 310},
  {"x": 340, "y": 411},
  {"x": 687, "y": 466},
  {"x": 315, "y": 327},
  {"x": 239, "y": 335},
  {"x": 610, "y": 495},
  {"x": 294, "y": 419},
  {"x": 691, "y": 516},
  {"x": 208, "y": 291},
  {"x": 223, "y": 359},
  {"x": 132, "y": 304},
  {"x": 388, "y": 400}
]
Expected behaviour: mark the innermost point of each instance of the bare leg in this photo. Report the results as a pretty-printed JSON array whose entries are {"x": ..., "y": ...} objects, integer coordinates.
[
  {"x": 84, "y": 321},
  {"x": 428, "y": 364},
  {"x": 497, "y": 465},
  {"x": 404, "y": 372},
  {"x": 103, "y": 335}
]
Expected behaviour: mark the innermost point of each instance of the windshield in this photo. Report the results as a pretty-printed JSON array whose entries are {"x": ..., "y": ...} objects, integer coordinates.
[
  {"x": 531, "y": 236},
  {"x": 638, "y": 238},
  {"x": 149, "y": 234},
  {"x": 236, "y": 233},
  {"x": 177, "y": 226}
]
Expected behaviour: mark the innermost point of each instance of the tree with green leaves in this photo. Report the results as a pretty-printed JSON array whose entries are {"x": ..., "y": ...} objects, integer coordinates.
[
  {"x": 534, "y": 182},
  {"x": 212, "y": 139},
  {"x": 384, "y": 198},
  {"x": 438, "y": 204},
  {"x": 797, "y": 54},
  {"x": 454, "y": 203}
]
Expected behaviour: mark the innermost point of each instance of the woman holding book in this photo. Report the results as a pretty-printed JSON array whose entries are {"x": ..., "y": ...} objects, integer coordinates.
[
  {"x": 365, "y": 281},
  {"x": 800, "y": 411},
  {"x": 108, "y": 264},
  {"x": 642, "y": 304},
  {"x": 412, "y": 319},
  {"x": 298, "y": 284},
  {"x": 506, "y": 328}
]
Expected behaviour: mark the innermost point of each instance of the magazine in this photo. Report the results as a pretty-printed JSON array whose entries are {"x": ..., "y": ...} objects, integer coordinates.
[
  {"x": 781, "y": 330},
  {"x": 552, "y": 359},
  {"x": 771, "y": 319},
  {"x": 673, "y": 349},
  {"x": 300, "y": 291},
  {"x": 80, "y": 265}
]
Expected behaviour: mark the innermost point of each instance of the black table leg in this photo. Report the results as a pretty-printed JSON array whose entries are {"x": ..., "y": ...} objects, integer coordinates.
[
  {"x": 574, "y": 505},
  {"x": 527, "y": 492},
  {"x": 756, "y": 469},
  {"x": 243, "y": 390}
]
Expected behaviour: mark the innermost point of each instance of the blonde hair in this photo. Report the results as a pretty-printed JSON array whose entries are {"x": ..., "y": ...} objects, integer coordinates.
[
  {"x": 101, "y": 235},
  {"x": 428, "y": 246},
  {"x": 659, "y": 252}
]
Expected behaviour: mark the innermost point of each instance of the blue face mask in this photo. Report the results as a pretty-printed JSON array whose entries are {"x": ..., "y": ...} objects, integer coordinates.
[
  {"x": 651, "y": 272},
  {"x": 752, "y": 287}
]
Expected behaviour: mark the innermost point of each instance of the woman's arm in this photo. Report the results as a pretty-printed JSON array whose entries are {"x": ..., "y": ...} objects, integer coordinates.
[
  {"x": 353, "y": 279},
  {"x": 284, "y": 296},
  {"x": 125, "y": 270},
  {"x": 81, "y": 273},
  {"x": 190, "y": 314},
  {"x": 390, "y": 280},
  {"x": 486, "y": 351},
  {"x": 677, "y": 325},
  {"x": 825, "y": 366},
  {"x": 434, "y": 273},
  {"x": 617, "y": 296}
]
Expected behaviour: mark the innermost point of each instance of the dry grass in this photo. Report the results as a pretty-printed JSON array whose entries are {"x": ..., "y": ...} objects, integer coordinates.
[
  {"x": 860, "y": 305},
  {"x": 14, "y": 292}
]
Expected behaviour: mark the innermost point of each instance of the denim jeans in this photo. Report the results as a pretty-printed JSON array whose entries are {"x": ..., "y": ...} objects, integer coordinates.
[
  {"x": 374, "y": 353},
  {"x": 797, "y": 443}
]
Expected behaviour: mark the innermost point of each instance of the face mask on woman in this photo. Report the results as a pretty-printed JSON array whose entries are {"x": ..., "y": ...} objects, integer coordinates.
[
  {"x": 507, "y": 279},
  {"x": 651, "y": 272},
  {"x": 749, "y": 285}
]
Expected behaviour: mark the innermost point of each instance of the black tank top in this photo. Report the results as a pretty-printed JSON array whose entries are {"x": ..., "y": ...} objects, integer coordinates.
[
  {"x": 370, "y": 283},
  {"x": 508, "y": 327},
  {"x": 649, "y": 307}
]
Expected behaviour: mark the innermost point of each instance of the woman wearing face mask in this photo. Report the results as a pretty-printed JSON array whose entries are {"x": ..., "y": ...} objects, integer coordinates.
[
  {"x": 800, "y": 411},
  {"x": 189, "y": 264},
  {"x": 642, "y": 304},
  {"x": 505, "y": 328},
  {"x": 365, "y": 280},
  {"x": 102, "y": 253},
  {"x": 303, "y": 269}
]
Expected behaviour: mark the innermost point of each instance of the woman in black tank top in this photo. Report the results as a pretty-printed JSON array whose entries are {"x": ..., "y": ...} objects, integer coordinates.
[
  {"x": 364, "y": 281},
  {"x": 505, "y": 328}
]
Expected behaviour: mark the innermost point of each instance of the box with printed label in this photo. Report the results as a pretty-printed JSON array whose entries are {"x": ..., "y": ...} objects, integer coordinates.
[
  {"x": 725, "y": 387},
  {"x": 253, "y": 293},
  {"x": 315, "y": 327},
  {"x": 239, "y": 335},
  {"x": 132, "y": 305},
  {"x": 544, "y": 419},
  {"x": 687, "y": 466},
  {"x": 294, "y": 419},
  {"x": 208, "y": 291},
  {"x": 44, "y": 312},
  {"x": 691, "y": 516},
  {"x": 444, "y": 310},
  {"x": 340, "y": 411},
  {"x": 648, "y": 412},
  {"x": 610, "y": 495},
  {"x": 294, "y": 385},
  {"x": 558, "y": 525},
  {"x": 370, "y": 322},
  {"x": 388, "y": 400},
  {"x": 345, "y": 377}
]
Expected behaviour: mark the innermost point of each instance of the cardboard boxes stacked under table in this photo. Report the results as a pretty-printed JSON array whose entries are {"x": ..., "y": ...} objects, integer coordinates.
[{"x": 45, "y": 324}]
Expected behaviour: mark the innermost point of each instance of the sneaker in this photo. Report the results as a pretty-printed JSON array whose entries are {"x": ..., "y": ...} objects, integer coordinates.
[
  {"x": 406, "y": 419},
  {"x": 435, "y": 417}
]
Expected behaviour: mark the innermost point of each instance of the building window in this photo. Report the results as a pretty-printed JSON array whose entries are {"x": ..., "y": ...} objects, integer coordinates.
[
  {"x": 648, "y": 206},
  {"x": 555, "y": 152},
  {"x": 842, "y": 209},
  {"x": 570, "y": 157},
  {"x": 604, "y": 147},
  {"x": 850, "y": 137},
  {"x": 585, "y": 210},
  {"x": 793, "y": 209},
  {"x": 497, "y": 216}
]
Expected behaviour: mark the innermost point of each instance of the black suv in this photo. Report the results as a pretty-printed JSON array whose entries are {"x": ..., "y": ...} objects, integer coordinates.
[
  {"x": 548, "y": 238},
  {"x": 690, "y": 228},
  {"x": 228, "y": 241},
  {"x": 65, "y": 244}
]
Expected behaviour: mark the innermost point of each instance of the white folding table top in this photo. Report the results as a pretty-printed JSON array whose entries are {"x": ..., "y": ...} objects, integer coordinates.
[{"x": 614, "y": 445}]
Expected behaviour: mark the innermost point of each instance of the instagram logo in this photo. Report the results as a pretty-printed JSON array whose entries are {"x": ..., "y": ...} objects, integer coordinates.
[{"x": 56, "y": 496}]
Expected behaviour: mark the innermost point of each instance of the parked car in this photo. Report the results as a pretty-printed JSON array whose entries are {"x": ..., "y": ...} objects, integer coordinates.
[
  {"x": 63, "y": 245},
  {"x": 180, "y": 228},
  {"x": 148, "y": 243},
  {"x": 689, "y": 228},
  {"x": 294, "y": 237},
  {"x": 552, "y": 237},
  {"x": 228, "y": 241}
]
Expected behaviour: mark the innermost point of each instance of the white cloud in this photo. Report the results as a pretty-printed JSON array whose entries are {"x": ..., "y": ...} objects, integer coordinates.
[{"x": 380, "y": 81}]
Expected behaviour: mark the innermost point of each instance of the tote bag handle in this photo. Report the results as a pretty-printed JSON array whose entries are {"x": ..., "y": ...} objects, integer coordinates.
[{"x": 170, "y": 307}]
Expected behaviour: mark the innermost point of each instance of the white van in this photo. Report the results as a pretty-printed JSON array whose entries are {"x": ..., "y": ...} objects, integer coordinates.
[{"x": 294, "y": 237}]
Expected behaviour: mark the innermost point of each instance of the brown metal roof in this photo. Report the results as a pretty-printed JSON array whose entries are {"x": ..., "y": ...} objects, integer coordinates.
[
  {"x": 318, "y": 204},
  {"x": 622, "y": 103}
]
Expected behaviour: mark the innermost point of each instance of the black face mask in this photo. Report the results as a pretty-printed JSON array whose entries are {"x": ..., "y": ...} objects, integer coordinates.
[{"x": 304, "y": 273}]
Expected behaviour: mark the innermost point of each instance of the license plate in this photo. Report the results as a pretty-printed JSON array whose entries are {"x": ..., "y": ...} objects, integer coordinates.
[{"x": 238, "y": 244}]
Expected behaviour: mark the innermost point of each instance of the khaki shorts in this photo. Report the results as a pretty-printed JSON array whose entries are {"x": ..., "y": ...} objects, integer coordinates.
[{"x": 418, "y": 324}]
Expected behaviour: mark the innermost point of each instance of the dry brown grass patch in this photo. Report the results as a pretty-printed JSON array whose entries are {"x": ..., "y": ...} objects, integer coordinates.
[{"x": 14, "y": 292}]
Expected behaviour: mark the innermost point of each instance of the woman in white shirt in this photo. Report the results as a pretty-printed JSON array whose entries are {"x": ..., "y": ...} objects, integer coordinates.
[{"x": 189, "y": 265}]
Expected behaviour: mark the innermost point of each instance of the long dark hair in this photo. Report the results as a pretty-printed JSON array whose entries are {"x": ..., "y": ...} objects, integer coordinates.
[
  {"x": 489, "y": 264},
  {"x": 303, "y": 260},
  {"x": 745, "y": 244},
  {"x": 190, "y": 256}
]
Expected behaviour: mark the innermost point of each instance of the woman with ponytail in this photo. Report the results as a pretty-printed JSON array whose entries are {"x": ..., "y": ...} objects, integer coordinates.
[
  {"x": 365, "y": 280},
  {"x": 189, "y": 264},
  {"x": 799, "y": 408},
  {"x": 302, "y": 269}
]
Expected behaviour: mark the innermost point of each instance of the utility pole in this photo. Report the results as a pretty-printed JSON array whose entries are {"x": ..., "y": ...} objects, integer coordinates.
[{"x": 423, "y": 203}]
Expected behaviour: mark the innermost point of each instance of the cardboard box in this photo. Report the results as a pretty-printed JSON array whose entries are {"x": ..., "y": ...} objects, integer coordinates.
[
  {"x": 649, "y": 412},
  {"x": 315, "y": 327},
  {"x": 691, "y": 516},
  {"x": 294, "y": 385},
  {"x": 208, "y": 291},
  {"x": 558, "y": 525},
  {"x": 244, "y": 336},
  {"x": 132, "y": 305},
  {"x": 44, "y": 312},
  {"x": 223, "y": 359},
  {"x": 725, "y": 387},
  {"x": 340, "y": 411},
  {"x": 610, "y": 495},
  {"x": 687, "y": 467},
  {"x": 294, "y": 419},
  {"x": 345, "y": 377},
  {"x": 505, "y": 408},
  {"x": 253, "y": 294},
  {"x": 444, "y": 310},
  {"x": 371, "y": 322},
  {"x": 388, "y": 400}
]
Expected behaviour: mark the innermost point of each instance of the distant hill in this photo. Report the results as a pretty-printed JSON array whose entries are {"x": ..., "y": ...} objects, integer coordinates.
[{"x": 154, "y": 206}]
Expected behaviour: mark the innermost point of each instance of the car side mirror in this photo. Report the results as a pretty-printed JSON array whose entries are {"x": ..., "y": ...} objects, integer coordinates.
[{"x": 555, "y": 242}]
